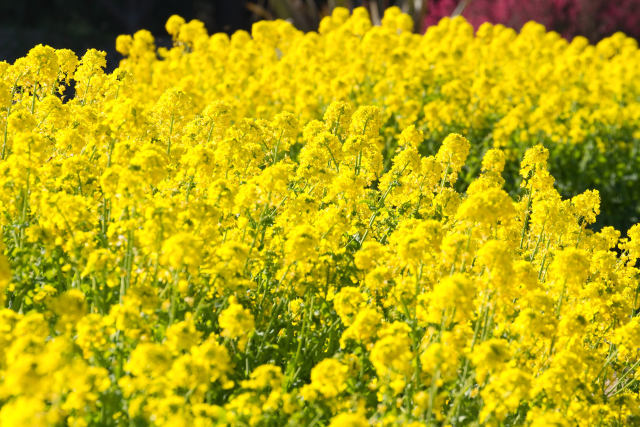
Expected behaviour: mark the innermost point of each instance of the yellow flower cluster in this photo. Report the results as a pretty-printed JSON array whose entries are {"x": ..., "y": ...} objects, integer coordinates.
[{"x": 270, "y": 229}]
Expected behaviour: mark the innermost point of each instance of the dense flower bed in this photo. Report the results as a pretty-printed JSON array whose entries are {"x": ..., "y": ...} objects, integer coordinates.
[{"x": 314, "y": 229}]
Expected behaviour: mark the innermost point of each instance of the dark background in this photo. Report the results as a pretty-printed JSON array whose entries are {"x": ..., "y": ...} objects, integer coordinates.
[{"x": 83, "y": 24}]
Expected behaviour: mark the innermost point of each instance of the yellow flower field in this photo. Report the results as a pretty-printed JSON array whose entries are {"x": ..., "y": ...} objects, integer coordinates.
[{"x": 350, "y": 227}]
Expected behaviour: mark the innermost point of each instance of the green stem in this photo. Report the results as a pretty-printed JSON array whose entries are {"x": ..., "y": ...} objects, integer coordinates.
[
  {"x": 170, "y": 133},
  {"x": 526, "y": 220},
  {"x": 381, "y": 203},
  {"x": 444, "y": 175},
  {"x": 623, "y": 377},
  {"x": 432, "y": 394},
  {"x": 333, "y": 159},
  {"x": 544, "y": 259},
  {"x": 125, "y": 282},
  {"x": 6, "y": 123},
  {"x": 33, "y": 98},
  {"x": 86, "y": 90},
  {"x": 172, "y": 306},
  {"x": 275, "y": 149},
  {"x": 307, "y": 319}
]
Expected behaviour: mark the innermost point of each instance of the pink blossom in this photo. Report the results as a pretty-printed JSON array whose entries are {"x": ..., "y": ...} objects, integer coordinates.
[{"x": 594, "y": 19}]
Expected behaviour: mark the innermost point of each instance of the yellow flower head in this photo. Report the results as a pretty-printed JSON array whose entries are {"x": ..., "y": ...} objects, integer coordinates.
[{"x": 236, "y": 322}]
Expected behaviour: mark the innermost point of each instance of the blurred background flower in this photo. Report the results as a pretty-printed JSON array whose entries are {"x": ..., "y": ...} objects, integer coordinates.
[
  {"x": 81, "y": 24},
  {"x": 593, "y": 19}
]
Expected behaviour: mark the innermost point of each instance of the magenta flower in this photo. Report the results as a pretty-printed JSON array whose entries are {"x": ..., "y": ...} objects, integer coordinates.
[{"x": 593, "y": 19}]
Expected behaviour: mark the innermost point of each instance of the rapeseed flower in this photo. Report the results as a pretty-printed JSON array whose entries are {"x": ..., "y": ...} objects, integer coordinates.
[{"x": 288, "y": 228}]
